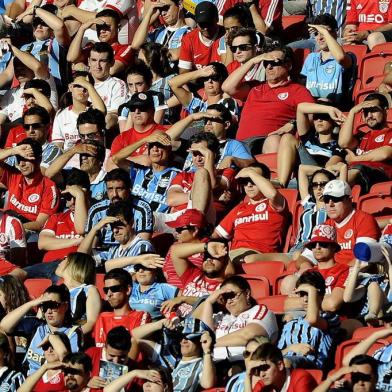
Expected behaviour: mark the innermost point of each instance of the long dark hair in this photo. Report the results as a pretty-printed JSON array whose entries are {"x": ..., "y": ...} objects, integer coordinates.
[
  {"x": 327, "y": 174},
  {"x": 158, "y": 58},
  {"x": 241, "y": 283},
  {"x": 15, "y": 292}
]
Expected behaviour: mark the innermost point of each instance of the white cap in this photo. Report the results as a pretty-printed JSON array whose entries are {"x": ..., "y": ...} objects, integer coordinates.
[{"x": 337, "y": 188}]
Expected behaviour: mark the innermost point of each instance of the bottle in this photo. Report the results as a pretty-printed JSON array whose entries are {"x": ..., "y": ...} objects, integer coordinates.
[{"x": 370, "y": 251}]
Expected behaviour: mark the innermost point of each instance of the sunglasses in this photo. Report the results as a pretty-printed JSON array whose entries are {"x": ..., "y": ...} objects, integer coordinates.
[
  {"x": 197, "y": 154},
  {"x": 230, "y": 295},
  {"x": 374, "y": 109},
  {"x": 214, "y": 78},
  {"x": 335, "y": 199},
  {"x": 243, "y": 181},
  {"x": 322, "y": 244},
  {"x": 273, "y": 63},
  {"x": 103, "y": 26},
  {"x": 321, "y": 184},
  {"x": 181, "y": 229},
  {"x": 67, "y": 196},
  {"x": 39, "y": 21},
  {"x": 213, "y": 119},
  {"x": 156, "y": 144},
  {"x": 359, "y": 376},
  {"x": 72, "y": 371},
  {"x": 114, "y": 289},
  {"x": 242, "y": 47},
  {"x": 22, "y": 159},
  {"x": 53, "y": 305},
  {"x": 142, "y": 108},
  {"x": 164, "y": 8},
  {"x": 34, "y": 126},
  {"x": 90, "y": 136},
  {"x": 46, "y": 346},
  {"x": 262, "y": 368},
  {"x": 321, "y": 116},
  {"x": 116, "y": 224},
  {"x": 140, "y": 267}
]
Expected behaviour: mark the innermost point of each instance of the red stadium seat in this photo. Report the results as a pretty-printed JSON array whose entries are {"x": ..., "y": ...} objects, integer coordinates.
[
  {"x": 382, "y": 187},
  {"x": 355, "y": 193},
  {"x": 385, "y": 47},
  {"x": 373, "y": 64},
  {"x": 364, "y": 332},
  {"x": 377, "y": 204},
  {"x": 37, "y": 286},
  {"x": 294, "y": 27},
  {"x": 291, "y": 196},
  {"x": 100, "y": 283},
  {"x": 259, "y": 285},
  {"x": 269, "y": 269},
  {"x": 290, "y": 20},
  {"x": 271, "y": 160},
  {"x": 273, "y": 302},
  {"x": 317, "y": 374},
  {"x": 359, "y": 51}
]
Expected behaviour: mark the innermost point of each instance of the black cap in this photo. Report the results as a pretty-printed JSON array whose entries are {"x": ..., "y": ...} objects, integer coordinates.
[
  {"x": 206, "y": 12},
  {"x": 142, "y": 100}
]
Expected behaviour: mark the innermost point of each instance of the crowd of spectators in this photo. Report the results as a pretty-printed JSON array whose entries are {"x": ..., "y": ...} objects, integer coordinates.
[{"x": 133, "y": 136}]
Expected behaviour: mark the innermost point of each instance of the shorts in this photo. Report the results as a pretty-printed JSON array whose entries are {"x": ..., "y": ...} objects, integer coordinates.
[
  {"x": 237, "y": 255},
  {"x": 369, "y": 176}
]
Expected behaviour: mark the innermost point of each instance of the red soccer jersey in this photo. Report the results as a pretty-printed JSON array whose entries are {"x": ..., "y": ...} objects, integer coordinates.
[
  {"x": 62, "y": 226},
  {"x": 131, "y": 136},
  {"x": 255, "y": 226},
  {"x": 372, "y": 140},
  {"x": 184, "y": 180},
  {"x": 358, "y": 226},
  {"x": 196, "y": 53},
  {"x": 335, "y": 276},
  {"x": 368, "y": 14},
  {"x": 54, "y": 384},
  {"x": 123, "y": 53},
  {"x": 272, "y": 11},
  {"x": 257, "y": 118},
  {"x": 107, "y": 321},
  {"x": 28, "y": 200},
  {"x": 15, "y": 135}
]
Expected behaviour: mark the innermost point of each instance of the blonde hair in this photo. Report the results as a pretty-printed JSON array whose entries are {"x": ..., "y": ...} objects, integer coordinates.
[{"x": 81, "y": 267}]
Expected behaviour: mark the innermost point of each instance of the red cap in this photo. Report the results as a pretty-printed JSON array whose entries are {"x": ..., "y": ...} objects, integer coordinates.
[
  {"x": 323, "y": 233},
  {"x": 191, "y": 217}
]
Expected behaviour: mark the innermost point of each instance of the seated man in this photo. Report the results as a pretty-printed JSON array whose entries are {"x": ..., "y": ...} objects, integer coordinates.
[
  {"x": 130, "y": 247},
  {"x": 150, "y": 183},
  {"x": 258, "y": 121},
  {"x": 256, "y": 226},
  {"x": 32, "y": 196},
  {"x": 371, "y": 161},
  {"x": 118, "y": 287},
  {"x": 219, "y": 121},
  {"x": 77, "y": 369}
]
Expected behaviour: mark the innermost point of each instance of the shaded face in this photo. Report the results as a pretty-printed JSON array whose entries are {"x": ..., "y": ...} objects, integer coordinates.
[
  {"x": 318, "y": 184},
  {"x": 185, "y": 234},
  {"x": 107, "y": 32},
  {"x": 142, "y": 117},
  {"x": 212, "y": 86},
  {"x": 279, "y": 71},
  {"x": 242, "y": 49},
  {"x": 250, "y": 348},
  {"x": 150, "y": 386},
  {"x": 189, "y": 348},
  {"x": 90, "y": 132},
  {"x": 236, "y": 300},
  {"x": 23, "y": 74},
  {"x": 320, "y": 39},
  {"x": 231, "y": 24},
  {"x": 54, "y": 316},
  {"x": 42, "y": 31},
  {"x": 323, "y": 124},
  {"x": 169, "y": 12},
  {"x": 338, "y": 210},
  {"x": 323, "y": 251},
  {"x": 75, "y": 378},
  {"x": 79, "y": 93},
  {"x": 27, "y": 168},
  {"x": 216, "y": 124},
  {"x": 145, "y": 276},
  {"x": 117, "y": 191},
  {"x": 136, "y": 83},
  {"x": 122, "y": 231},
  {"x": 116, "y": 356},
  {"x": 119, "y": 297},
  {"x": 374, "y": 116},
  {"x": 159, "y": 153},
  {"x": 49, "y": 354},
  {"x": 212, "y": 268},
  {"x": 35, "y": 128},
  {"x": 89, "y": 163},
  {"x": 197, "y": 158},
  {"x": 99, "y": 65},
  {"x": 208, "y": 30},
  {"x": 70, "y": 201},
  {"x": 364, "y": 377},
  {"x": 269, "y": 372},
  {"x": 30, "y": 101}
]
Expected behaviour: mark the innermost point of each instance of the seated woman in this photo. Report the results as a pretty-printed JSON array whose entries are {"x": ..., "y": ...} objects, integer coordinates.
[
  {"x": 241, "y": 319},
  {"x": 148, "y": 291},
  {"x": 54, "y": 316},
  {"x": 49, "y": 376},
  {"x": 78, "y": 272}
]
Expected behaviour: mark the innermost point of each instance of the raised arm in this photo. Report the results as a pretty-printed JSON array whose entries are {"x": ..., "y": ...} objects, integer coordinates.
[
  {"x": 41, "y": 100},
  {"x": 56, "y": 24},
  {"x": 346, "y": 136},
  {"x": 75, "y": 54},
  {"x": 351, "y": 292},
  {"x": 149, "y": 260}
]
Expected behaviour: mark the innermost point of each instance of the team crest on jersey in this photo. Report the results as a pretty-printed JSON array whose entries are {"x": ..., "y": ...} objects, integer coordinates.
[
  {"x": 3, "y": 239},
  {"x": 383, "y": 6},
  {"x": 283, "y": 96},
  {"x": 34, "y": 197},
  {"x": 55, "y": 380},
  {"x": 164, "y": 182},
  {"x": 330, "y": 69},
  {"x": 348, "y": 234},
  {"x": 142, "y": 96},
  {"x": 379, "y": 139},
  {"x": 261, "y": 207},
  {"x": 329, "y": 280}
]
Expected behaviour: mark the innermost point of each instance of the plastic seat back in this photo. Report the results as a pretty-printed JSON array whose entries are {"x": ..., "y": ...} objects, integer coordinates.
[{"x": 37, "y": 286}]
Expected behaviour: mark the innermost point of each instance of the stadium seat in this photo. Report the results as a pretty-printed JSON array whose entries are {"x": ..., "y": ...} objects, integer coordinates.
[
  {"x": 258, "y": 284},
  {"x": 294, "y": 27},
  {"x": 385, "y": 47},
  {"x": 268, "y": 269},
  {"x": 37, "y": 286},
  {"x": 291, "y": 196},
  {"x": 360, "y": 94},
  {"x": 317, "y": 374},
  {"x": 100, "y": 283},
  {"x": 364, "y": 332},
  {"x": 359, "y": 51},
  {"x": 355, "y": 193},
  {"x": 278, "y": 281},
  {"x": 300, "y": 55},
  {"x": 382, "y": 187},
  {"x": 377, "y": 204},
  {"x": 298, "y": 210},
  {"x": 271, "y": 160},
  {"x": 373, "y": 64},
  {"x": 273, "y": 302}
]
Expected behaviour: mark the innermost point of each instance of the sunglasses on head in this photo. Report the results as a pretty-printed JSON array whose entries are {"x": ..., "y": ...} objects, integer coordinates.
[
  {"x": 114, "y": 289},
  {"x": 321, "y": 116},
  {"x": 320, "y": 184},
  {"x": 359, "y": 376},
  {"x": 328, "y": 198},
  {"x": 243, "y": 181},
  {"x": 34, "y": 126},
  {"x": 213, "y": 119},
  {"x": 181, "y": 229},
  {"x": 164, "y": 8},
  {"x": 242, "y": 47},
  {"x": 46, "y": 346},
  {"x": 262, "y": 368},
  {"x": 273, "y": 63},
  {"x": 72, "y": 371},
  {"x": 50, "y": 305},
  {"x": 322, "y": 244}
]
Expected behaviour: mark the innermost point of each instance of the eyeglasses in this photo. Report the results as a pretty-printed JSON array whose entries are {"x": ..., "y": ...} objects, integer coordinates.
[
  {"x": 328, "y": 198},
  {"x": 359, "y": 376},
  {"x": 181, "y": 229},
  {"x": 243, "y": 181},
  {"x": 218, "y": 120},
  {"x": 273, "y": 63},
  {"x": 90, "y": 136},
  {"x": 164, "y": 8},
  {"x": 34, "y": 126},
  {"x": 262, "y": 368},
  {"x": 321, "y": 184},
  {"x": 230, "y": 295},
  {"x": 114, "y": 289},
  {"x": 321, "y": 244},
  {"x": 73, "y": 372},
  {"x": 53, "y": 305},
  {"x": 321, "y": 116},
  {"x": 46, "y": 346},
  {"x": 242, "y": 47}
]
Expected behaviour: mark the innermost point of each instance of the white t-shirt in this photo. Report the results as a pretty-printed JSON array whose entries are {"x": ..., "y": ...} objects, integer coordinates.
[
  {"x": 227, "y": 323},
  {"x": 113, "y": 92},
  {"x": 64, "y": 128}
]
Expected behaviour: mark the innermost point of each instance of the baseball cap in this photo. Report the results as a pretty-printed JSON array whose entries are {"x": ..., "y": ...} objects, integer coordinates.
[
  {"x": 323, "y": 233},
  {"x": 206, "y": 12},
  {"x": 190, "y": 217},
  {"x": 143, "y": 100},
  {"x": 337, "y": 188}
]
